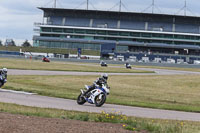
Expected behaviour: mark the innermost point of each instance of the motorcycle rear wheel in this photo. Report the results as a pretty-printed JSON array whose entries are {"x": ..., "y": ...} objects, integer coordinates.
[
  {"x": 100, "y": 102},
  {"x": 81, "y": 100},
  {"x": 1, "y": 84}
]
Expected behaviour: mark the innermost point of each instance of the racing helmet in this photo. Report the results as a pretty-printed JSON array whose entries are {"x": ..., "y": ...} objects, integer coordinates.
[
  {"x": 5, "y": 70},
  {"x": 105, "y": 76}
]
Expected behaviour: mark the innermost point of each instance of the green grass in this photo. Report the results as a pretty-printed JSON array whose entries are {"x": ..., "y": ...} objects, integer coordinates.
[
  {"x": 129, "y": 123},
  {"x": 170, "y": 68},
  {"x": 61, "y": 66},
  {"x": 49, "y": 50},
  {"x": 85, "y": 52},
  {"x": 163, "y": 92}
]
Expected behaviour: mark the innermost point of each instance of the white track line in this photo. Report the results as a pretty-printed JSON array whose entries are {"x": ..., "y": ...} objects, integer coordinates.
[{"x": 17, "y": 92}]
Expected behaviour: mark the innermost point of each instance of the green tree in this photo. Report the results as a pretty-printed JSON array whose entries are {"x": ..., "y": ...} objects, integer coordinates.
[
  {"x": 26, "y": 44},
  {"x": 12, "y": 43},
  {"x": 1, "y": 43}
]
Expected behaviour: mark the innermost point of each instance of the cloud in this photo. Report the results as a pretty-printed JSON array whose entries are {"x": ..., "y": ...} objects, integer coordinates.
[
  {"x": 17, "y": 19},
  {"x": 19, "y": 6},
  {"x": 166, "y": 6},
  {"x": 18, "y": 16},
  {"x": 17, "y": 26}
]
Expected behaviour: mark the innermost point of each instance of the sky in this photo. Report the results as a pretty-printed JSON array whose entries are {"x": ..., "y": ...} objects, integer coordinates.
[{"x": 17, "y": 17}]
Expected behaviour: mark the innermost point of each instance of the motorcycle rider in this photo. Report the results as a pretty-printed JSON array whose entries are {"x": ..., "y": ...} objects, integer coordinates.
[
  {"x": 3, "y": 74},
  {"x": 127, "y": 65},
  {"x": 101, "y": 80}
]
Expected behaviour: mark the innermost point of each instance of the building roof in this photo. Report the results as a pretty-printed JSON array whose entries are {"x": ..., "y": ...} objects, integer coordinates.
[{"x": 116, "y": 14}]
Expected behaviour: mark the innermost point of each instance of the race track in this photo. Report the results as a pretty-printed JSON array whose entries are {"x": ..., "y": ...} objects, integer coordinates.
[
  {"x": 58, "y": 103},
  {"x": 49, "y": 102},
  {"x": 157, "y": 72}
]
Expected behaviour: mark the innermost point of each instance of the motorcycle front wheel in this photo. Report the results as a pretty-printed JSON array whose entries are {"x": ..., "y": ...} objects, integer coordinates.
[
  {"x": 81, "y": 100},
  {"x": 100, "y": 99}
]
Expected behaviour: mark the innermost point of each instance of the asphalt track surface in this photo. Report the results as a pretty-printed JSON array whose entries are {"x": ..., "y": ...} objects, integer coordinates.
[
  {"x": 58, "y": 103},
  {"x": 157, "y": 72}
]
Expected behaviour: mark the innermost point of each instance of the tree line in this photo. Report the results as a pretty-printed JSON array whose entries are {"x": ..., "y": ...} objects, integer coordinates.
[{"x": 12, "y": 43}]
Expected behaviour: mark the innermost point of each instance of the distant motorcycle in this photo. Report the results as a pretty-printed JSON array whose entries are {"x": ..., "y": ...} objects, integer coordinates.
[
  {"x": 103, "y": 64},
  {"x": 128, "y": 66},
  {"x": 45, "y": 59},
  {"x": 3, "y": 80},
  {"x": 96, "y": 96}
]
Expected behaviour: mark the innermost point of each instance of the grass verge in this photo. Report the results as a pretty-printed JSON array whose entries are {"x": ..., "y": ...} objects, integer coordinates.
[
  {"x": 170, "y": 68},
  {"x": 48, "y": 50},
  {"x": 61, "y": 66},
  {"x": 164, "y": 92},
  {"x": 129, "y": 123}
]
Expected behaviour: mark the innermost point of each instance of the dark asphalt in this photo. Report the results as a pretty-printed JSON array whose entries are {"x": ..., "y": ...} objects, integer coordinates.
[{"x": 157, "y": 72}]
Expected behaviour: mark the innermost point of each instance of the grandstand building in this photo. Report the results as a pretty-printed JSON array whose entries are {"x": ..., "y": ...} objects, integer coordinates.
[{"x": 119, "y": 32}]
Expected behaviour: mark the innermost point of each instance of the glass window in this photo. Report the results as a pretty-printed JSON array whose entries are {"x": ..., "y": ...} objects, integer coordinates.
[
  {"x": 45, "y": 43},
  {"x": 193, "y": 37},
  {"x": 125, "y": 39},
  {"x": 97, "y": 47},
  {"x": 90, "y": 31},
  {"x": 113, "y": 33},
  {"x": 121, "y": 48},
  {"x": 62, "y": 44},
  {"x": 55, "y": 35},
  {"x": 135, "y": 34},
  {"x": 89, "y": 37},
  {"x": 68, "y": 30},
  {"x": 44, "y": 29},
  {"x": 178, "y": 43},
  {"x": 168, "y": 36},
  {"x": 157, "y": 35},
  {"x": 46, "y": 35},
  {"x": 198, "y": 44},
  {"x": 198, "y": 37},
  {"x": 168, "y": 42},
  {"x": 78, "y": 45},
  {"x": 87, "y": 46},
  {"x": 62, "y": 36},
  {"x": 57, "y": 30},
  {"x": 101, "y": 32},
  {"x": 157, "y": 41},
  {"x": 99, "y": 38},
  {"x": 79, "y": 31},
  {"x": 124, "y": 33},
  {"x": 70, "y": 45},
  {"x": 187, "y": 37},
  {"x": 179, "y": 37},
  {"x": 113, "y": 38},
  {"x": 80, "y": 37},
  {"x": 146, "y": 34},
  {"x": 139, "y": 40}
]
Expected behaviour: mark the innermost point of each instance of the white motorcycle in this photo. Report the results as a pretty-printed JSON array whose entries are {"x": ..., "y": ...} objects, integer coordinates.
[{"x": 96, "y": 96}]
